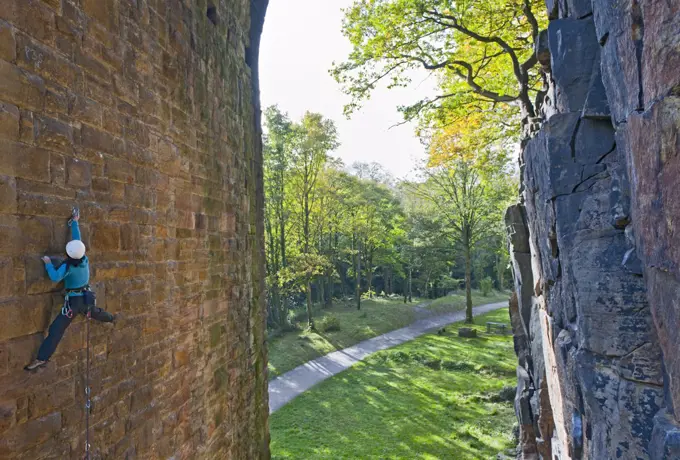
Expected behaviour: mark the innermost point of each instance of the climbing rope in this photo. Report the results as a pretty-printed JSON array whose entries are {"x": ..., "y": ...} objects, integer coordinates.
[{"x": 87, "y": 388}]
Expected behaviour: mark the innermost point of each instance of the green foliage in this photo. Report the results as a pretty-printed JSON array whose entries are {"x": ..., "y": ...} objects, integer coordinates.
[
  {"x": 481, "y": 53},
  {"x": 433, "y": 397},
  {"x": 486, "y": 285},
  {"x": 328, "y": 323}
]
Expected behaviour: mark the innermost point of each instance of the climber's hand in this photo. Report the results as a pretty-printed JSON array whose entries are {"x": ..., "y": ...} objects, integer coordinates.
[
  {"x": 76, "y": 217},
  {"x": 46, "y": 259}
]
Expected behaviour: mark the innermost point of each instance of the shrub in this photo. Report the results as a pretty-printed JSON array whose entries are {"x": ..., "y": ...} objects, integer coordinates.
[
  {"x": 485, "y": 286},
  {"x": 507, "y": 394},
  {"x": 328, "y": 323}
]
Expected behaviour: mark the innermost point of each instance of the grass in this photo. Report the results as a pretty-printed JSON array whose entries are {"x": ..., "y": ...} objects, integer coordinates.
[
  {"x": 376, "y": 317},
  {"x": 432, "y": 398}
]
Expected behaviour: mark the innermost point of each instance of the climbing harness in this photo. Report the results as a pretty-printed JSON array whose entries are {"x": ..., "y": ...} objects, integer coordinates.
[{"x": 66, "y": 310}]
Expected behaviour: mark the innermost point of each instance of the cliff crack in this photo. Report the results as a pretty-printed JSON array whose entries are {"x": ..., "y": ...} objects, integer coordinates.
[
  {"x": 637, "y": 33},
  {"x": 572, "y": 141},
  {"x": 606, "y": 155}
]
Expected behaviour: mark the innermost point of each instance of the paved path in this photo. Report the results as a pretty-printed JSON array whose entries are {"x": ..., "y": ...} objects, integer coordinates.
[{"x": 286, "y": 387}]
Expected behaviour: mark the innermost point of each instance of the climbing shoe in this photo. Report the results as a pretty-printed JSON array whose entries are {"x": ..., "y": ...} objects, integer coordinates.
[{"x": 37, "y": 364}]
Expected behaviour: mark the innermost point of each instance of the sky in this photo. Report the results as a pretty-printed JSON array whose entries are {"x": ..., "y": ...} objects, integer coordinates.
[{"x": 300, "y": 41}]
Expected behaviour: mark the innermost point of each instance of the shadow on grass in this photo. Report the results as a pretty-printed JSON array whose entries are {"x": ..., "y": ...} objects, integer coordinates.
[{"x": 394, "y": 405}]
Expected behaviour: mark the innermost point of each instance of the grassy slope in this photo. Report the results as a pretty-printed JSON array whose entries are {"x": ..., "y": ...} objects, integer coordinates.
[
  {"x": 398, "y": 405},
  {"x": 376, "y": 317}
]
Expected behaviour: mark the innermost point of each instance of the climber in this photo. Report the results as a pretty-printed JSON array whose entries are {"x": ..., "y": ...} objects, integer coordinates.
[{"x": 75, "y": 271}]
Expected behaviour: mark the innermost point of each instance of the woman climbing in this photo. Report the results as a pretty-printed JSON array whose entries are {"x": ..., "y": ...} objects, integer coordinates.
[{"x": 75, "y": 271}]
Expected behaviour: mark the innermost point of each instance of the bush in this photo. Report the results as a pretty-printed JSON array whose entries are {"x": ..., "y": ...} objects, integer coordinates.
[
  {"x": 328, "y": 323},
  {"x": 507, "y": 394},
  {"x": 296, "y": 316},
  {"x": 485, "y": 286}
]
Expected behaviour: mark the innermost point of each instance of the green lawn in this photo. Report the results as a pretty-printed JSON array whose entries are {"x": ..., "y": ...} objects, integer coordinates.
[
  {"x": 376, "y": 317},
  {"x": 431, "y": 398}
]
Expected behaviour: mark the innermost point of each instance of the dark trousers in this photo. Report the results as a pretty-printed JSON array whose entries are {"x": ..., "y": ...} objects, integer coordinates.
[{"x": 62, "y": 322}]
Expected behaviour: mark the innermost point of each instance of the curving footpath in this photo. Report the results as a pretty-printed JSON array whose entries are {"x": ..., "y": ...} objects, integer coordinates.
[{"x": 288, "y": 386}]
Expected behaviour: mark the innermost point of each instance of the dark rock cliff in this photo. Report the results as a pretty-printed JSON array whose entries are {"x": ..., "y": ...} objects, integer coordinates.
[{"x": 596, "y": 255}]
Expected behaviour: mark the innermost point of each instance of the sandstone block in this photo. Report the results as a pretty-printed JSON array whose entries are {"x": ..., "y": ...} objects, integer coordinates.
[
  {"x": 30, "y": 16},
  {"x": 42, "y": 205},
  {"x": 8, "y": 195},
  {"x": 29, "y": 434},
  {"x": 53, "y": 134},
  {"x": 10, "y": 238},
  {"x": 46, "y": 62},
  {"x": 51, "y": 398},
  {"x": 19, "y": 88},
  {"x": 36, "y": 234},
  {"x": 8, "y": 411},
  {"x": 96, "y": 139},
  {"x": 78, "y": 173},
  {"x": 119, "y": 170},
  {"x": 103, "y": 11},
  {"x": 9, "y": 121},
  {"x": 7, "y": 286},
  {"x": 86, "y": 110},
  {"x": 57, "y": 101},
  {"x": 29, "y": 317},
  {"x": 105, "y": 236},
  {"x": 8, "y": 47},
  {"x": 32, "y": 163}
]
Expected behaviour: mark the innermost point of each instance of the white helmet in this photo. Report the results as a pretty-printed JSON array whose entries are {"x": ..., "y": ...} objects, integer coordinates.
[{"x": 75, "y": 249}]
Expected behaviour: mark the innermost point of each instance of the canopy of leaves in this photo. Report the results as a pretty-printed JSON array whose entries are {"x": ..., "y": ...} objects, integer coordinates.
[{"x": 481, "y": 52}]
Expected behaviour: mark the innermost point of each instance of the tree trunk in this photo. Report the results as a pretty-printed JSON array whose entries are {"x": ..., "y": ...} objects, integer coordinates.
[
  {"x": 358, "y": 290},
  {"x": 468, "y": 279},
  {"x": 310, "y": 320},
  {"x": 370, "y": 282},
  {"x": 410, "y": 284},
  {"x": 322, "y": 292}
]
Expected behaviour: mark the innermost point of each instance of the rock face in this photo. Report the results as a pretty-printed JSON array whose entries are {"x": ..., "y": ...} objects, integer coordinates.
[
  {"x": 595, "y": 251},
  {"x": 145, "y": 114}
]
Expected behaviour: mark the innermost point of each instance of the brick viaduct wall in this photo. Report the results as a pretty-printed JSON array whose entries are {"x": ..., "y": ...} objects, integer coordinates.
[{"x": 141, "y": 112}]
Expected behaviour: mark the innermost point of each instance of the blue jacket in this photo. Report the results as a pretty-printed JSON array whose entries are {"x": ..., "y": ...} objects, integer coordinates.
[{"x": 74, "y": 277}]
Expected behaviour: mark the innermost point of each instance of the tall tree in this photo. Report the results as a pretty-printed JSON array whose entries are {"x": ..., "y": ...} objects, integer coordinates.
[
  {"x": 470, "y": 189},
  {"x": 311, "y": 141},
  {"x": 276, "y": 158}
]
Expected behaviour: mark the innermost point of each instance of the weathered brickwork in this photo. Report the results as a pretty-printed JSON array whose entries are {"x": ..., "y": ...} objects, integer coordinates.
[{"x": 142, "y": 113}]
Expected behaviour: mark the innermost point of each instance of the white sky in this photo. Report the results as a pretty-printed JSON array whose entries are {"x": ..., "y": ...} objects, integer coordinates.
[{"x": 301, "y": 39}]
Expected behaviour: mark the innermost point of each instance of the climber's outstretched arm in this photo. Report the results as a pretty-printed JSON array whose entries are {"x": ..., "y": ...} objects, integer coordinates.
[
  {"x": 75, "y": 229},
  {"x": 55, "y": 274}
]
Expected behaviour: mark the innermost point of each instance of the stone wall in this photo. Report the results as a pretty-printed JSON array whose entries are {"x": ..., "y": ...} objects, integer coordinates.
[
  {"x": 144, "y": 114},
  {"x": 594, "y": 240}
]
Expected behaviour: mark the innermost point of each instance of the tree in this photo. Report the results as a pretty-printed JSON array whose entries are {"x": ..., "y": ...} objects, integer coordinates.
[
  {"x": 372, "y": 171},
  {"x": 311, "y": 141},
  {"x": 469, "y": 189},
  {"x": 481, "y": 52},
  {"x": 276, "y": 158}
]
